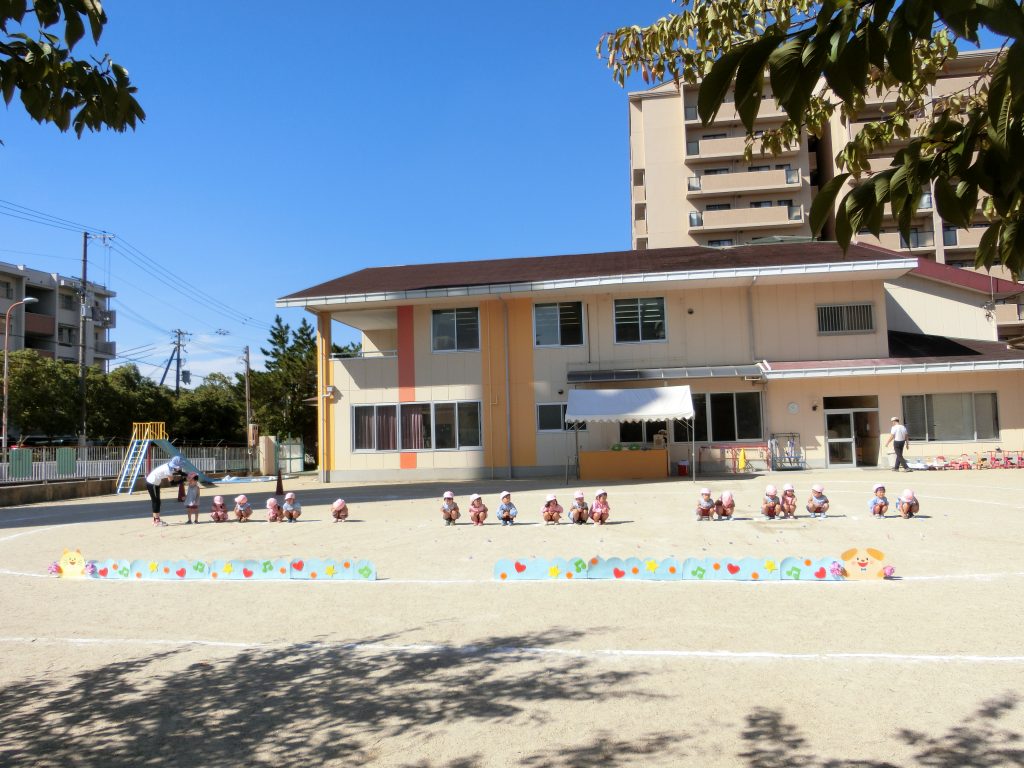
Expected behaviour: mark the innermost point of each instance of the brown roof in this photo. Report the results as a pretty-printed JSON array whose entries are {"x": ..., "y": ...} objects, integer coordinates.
[
  {"x": 459, "y": 274},
  {"x": 915, "y": 349},
  {"x": 967, "y": 278}
]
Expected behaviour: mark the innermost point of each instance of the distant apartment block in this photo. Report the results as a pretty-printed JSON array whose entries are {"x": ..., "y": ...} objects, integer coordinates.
[
  {"x": 692, "y": 186},
  {"x": 50, "y": 326}
]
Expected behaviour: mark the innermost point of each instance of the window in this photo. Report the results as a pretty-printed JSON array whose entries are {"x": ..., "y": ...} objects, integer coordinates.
[
  {"x": 67, "y": 335},
  {"x": 641, "y": 243},
  {"x": 792, "y": 176},
  {"x": 716, "y": 172},
  {"x": 952, "y": 416},
  {"x": 845, "y": 318},
  {"x": 638, "y": 177},
  {"x": 722, "y": 417},
  {"x": 640, "y": 212},
  {"x": 640, "y": 431},
  {"x": 693, "y": 147},
  {"x": 783, "y": 167},
  {"x": 551, "y": 418},
  {"x": 718, "y": 207},
  {"x": 558, "y": 325},
  {"x": 690, "y": 112},
  {"x": 759, "y": 168},
  {"x": 719, "y": 243},
  {"x": 696, "y": 219},
  {"x": 639, "y": 320},
  {"x": 693, "y": 184},
  {"x": 761, "y": 204},
  {"x": 787, "y": 203},
  {"x": 6, "y": 290},
  {"x": 713, "y": 136},
  {"x": 924, "y": 203},
  {"x": 68, "y": 301},
  {"x": 456, "y": 329},
  {"x": 918, "y": 239},
  {"x": 949, "y": 234},
  {"x": 416, "y": 426}
]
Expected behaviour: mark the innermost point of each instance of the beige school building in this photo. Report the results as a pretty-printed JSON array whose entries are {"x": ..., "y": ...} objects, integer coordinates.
[{"x": 466, "y": 368}]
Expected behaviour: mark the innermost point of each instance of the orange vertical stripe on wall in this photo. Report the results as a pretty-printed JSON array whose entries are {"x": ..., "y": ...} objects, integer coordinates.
[
  {"x": 324, "y": 406},
  {"x": 406, "y": 370}
]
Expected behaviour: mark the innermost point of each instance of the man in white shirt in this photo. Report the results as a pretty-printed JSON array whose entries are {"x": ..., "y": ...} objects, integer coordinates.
[{"x": 899, "y": 440}]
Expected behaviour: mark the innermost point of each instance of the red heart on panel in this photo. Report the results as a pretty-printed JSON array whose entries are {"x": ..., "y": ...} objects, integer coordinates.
[
  {"x": 820, "y": 573},
  {"x": 520, "y": 567},
  {"x": 733, "y": 569},
  {"x": 103, "y": 572},
  {"x": 180, "y": 573},
  {"x": 247, "y": 573},
  {"x": 298, "y": 565},
  {"x": 618, "y": 573}
]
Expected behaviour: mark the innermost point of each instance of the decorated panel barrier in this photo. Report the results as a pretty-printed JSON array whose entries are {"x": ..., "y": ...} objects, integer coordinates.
[
  {"x": 73, "y": 565},
  {"x": 854, "y": 564}
]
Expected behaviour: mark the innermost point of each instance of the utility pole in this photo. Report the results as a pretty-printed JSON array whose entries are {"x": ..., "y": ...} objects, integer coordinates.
[
  {"x": 248, "y": 412},
  {"x": 85, "y": 310},
  {"x": 177, "y": 344}
]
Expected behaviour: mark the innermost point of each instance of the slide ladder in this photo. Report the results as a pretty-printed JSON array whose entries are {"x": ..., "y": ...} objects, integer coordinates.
[{"x": 132, "y": 466}]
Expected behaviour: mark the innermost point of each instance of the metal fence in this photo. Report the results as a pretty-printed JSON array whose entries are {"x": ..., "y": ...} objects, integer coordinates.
[{"x": 51, "y": 463}]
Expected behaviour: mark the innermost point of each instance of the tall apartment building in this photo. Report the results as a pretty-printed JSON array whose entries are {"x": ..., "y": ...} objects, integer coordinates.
[
  {"x": 50, "y": 325},
  {"x": 692, "y": 186}
]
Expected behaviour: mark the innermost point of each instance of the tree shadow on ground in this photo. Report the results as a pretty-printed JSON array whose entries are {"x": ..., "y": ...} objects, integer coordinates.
[{"x": 314, "y": 703}]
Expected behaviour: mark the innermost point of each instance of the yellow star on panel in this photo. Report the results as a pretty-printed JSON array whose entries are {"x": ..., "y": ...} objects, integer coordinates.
[
  {"x": 769, "y": 565},
  {"x": 228, "y": 568},
  {"x": 553, "y": 571},
  {"x": 329, "y": 570},
  {"x": 152, "y": 566},
  {"x": 652, "y": 565}
]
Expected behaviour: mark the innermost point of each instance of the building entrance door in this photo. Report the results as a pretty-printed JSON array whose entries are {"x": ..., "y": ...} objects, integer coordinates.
[{"x": 839, "y": 439}]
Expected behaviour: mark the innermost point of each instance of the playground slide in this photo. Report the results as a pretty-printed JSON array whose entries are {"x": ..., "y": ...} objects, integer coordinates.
[{"x": 188, "y": 466}]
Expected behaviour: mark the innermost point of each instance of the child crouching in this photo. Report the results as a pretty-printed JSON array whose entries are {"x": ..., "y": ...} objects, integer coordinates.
[
  {"x": 243, "y": 509},
  {"x": 579, "y": 511},
  {"x": 725, "y": 506},
  {"x": 552, "y": 510},
  {"x": 477, "y": 509},
  {"x": 274, "y": 512},
  {"x": 908, "y": 504},
  {"x": 449, "y": 508},
  {"x": 705, "y": 506},
  {"x": 339, "y": 511},
  {"x": 292, "y": 509},
  {"x": 218, "y": 512}
]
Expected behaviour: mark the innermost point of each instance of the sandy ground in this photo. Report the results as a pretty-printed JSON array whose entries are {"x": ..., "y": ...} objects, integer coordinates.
[{"x": 438, "y": 665}]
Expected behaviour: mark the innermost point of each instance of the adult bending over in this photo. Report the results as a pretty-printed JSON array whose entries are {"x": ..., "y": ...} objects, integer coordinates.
[{"x": 155, "y": 478}]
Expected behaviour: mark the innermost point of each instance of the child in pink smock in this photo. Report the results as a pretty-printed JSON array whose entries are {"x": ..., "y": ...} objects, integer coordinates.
[
  {"x": 600, "y": 510},
  {"x": 552, "y": 510},
  {"x": 218, "y": 512}
]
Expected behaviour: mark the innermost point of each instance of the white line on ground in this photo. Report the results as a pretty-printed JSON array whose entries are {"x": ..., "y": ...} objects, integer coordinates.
[{"x": 511, "y": 650}]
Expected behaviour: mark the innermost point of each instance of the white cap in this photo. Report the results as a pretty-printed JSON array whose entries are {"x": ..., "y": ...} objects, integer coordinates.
[
  {"x": 289, "y": 495},
  {"x": 705, "y": 491},
  {"x": 788, "y": 487},
  {"x": 895, "y": 418},
  {"x": 448, "y": 495},
  {"x": 503, "y": 494},
  {"x": 726, "y": 495},
  {"x": 908, "y": 494},
  {"x": 770, "y": 490},
  {"x": 818, "y": 488},
  {"x": 551, "y": 497},
  {"x": 578, "y": 495},
  {"x": 338, "y": 504},
  {"x": 600, "y": 492},
  {"x": 877, "y": 486},
  {"x": 241, "y": 498},
  {"x": 474, "y": 497}
]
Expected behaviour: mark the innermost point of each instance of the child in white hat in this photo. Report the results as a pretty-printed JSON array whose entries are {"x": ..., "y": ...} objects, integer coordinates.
[
  {"x": 600, "y": 509},
  {"x": 771, "y": 504},
  {"x": 292, "y": 508},
  {"x": 507, "y": 510},
  {"x": 552, "y": 510},
  {"x": 725, "y": 506},
  {"x": 449, "y": 508},
  {"x": 706, "y": 505},
  {"x": 580, "y": 510},
  {"x": 817, "y": 504},
  {"x": 477, "y": 509},
  {"x": 243, "y": 509}
]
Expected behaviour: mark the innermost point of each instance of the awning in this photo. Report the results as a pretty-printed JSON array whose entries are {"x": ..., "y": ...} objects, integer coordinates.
[{"x": 644, "y": 404}]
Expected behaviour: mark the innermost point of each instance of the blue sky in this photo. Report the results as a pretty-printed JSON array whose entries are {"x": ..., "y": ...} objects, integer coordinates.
[
  {"x": 284, "y": 149},
  {"x": 288, "y": 144}
]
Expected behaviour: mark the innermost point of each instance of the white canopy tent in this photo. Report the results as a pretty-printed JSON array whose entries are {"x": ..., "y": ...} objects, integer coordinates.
[{"x": 635, "y": 404}]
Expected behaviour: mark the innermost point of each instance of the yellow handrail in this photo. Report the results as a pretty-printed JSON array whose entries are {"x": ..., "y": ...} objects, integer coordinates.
[{"x": 149, "y": 430}]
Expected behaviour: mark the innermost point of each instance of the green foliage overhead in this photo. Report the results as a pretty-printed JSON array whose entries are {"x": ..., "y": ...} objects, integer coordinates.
[
  {"x": 54, "y": 86},
  {"x": 821, "y": 57}
]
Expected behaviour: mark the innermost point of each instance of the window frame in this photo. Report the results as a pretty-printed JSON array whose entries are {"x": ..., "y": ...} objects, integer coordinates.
[
  {"x": 640, "y": 321},
  {"x": 913, "y": 429},
  {"x": 434, "y": 314},
  {"x": 567, "y": 426},
  {"x": 845, "y": 307},
  {"x": 704, "y": 420},
  {"x": 558, "y": 307},
  {"x": 459, "y": 406}
]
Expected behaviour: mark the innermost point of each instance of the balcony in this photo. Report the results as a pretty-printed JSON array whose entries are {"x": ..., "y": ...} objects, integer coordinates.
[
  {"x": 727, "y": 114},
  {"x": 104, "y": 318},
  {"x": 963, "y": 239},
  {"x": 740, "y": 183},
  {"x": 920, "y": 242},
  {"x": 698, "y": 150},
  {"x": 747, "y": 218},
  {"x": 105, "y": 349},
  {"x": 38, "y": 324}
]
